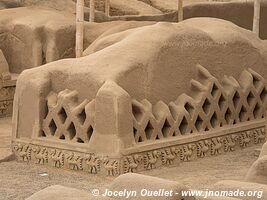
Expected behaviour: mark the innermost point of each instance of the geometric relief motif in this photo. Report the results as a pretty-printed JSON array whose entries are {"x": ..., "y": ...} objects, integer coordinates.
[
  {"x": 213, "y": 105},
  {"x": 66, "y": 119},
  {"x": 147, "y": 160},
  {"x": 66, "y": 159},
  {"x": 194, "y": 150}
]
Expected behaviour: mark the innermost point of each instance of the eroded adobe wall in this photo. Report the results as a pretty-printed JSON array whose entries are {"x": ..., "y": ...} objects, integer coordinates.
[
  {"x": 240, "y": 13},
  {"x": 29, "y": 41},
  {"x": 7, "y": 88},
  {"x": 158, "y": 70},
  {"x": 130, "y": 96},
  {"x": 135, "y": 135},
  {"x": 217, "y": 46},
  {"x": 99, "y": 4},
  {"x": 31, "y": 37}
]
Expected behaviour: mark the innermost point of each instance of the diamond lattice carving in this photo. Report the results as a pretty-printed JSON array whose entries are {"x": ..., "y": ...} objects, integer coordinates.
[{"x": 214, "y": 105}]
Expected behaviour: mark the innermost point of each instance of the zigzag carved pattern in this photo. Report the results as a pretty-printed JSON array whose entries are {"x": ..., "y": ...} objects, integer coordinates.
[
  {"x": 66, "y": 119},
  {"x": 212, "y": 105}
]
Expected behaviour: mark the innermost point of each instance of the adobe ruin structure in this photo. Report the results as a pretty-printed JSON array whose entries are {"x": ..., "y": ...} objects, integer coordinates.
[
  {"x": 54, "y": 31},
  {"x": 145, "y": 95},
  {"x": 113, "y": 114}
]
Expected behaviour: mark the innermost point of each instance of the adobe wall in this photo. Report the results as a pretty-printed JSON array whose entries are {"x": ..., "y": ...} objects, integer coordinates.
[
  {"x": 219, "y": 46},
  {"x": 114, "y": 133},
  {"x": 54, "y": 41},
  {"x": 158, "y": 70},
  {"x": 126, "y": 102},
  {"x": 216, "y": 48},
  {"x": 31, "y": 37},
  {"x": 43, "y": 36},
  {"x": 239, "y": 13},
  {"x": 7, "y": 88}
]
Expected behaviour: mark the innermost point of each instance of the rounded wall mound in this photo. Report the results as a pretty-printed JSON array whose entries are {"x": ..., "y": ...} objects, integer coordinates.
[
  {"x": 164, "y": 64},
  {"x": 31, "y": 37},
  {"x": 78, "y": 106},
  {"x": 240, "y": 13},
  {"x": 161, "y": 68}
]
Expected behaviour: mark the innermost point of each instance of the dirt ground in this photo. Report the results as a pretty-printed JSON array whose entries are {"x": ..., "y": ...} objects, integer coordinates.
[{"x": 19, "y": 180}]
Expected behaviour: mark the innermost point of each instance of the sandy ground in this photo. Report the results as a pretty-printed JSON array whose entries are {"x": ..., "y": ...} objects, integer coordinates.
[{"x": 19, "y": 180}]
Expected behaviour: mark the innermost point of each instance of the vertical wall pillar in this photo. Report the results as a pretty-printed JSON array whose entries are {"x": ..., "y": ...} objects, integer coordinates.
[
  {"x": 107, "y": 7},
  {"x": 180, "y": 10},
  {"x": 92, "y": 11},
  {"x": 113, "y": 130},
  {"x": 256, "y": 20},
  {"x": 79, "y": 28}
]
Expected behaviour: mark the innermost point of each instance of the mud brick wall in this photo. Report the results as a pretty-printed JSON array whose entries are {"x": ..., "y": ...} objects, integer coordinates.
[
  {"x": 6, "y": 101},
  {"x": 99, "y": 4}
]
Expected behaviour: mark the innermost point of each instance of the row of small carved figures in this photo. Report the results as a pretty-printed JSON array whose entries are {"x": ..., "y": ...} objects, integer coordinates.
[
  {"x": 213, "y": 147},
  {"x": 92, "y": 163},
  {"x": 59, "y": 159}
]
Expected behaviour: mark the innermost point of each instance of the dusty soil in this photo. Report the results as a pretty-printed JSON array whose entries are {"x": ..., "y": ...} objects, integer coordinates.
[{"x": 19, "y": 180}]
